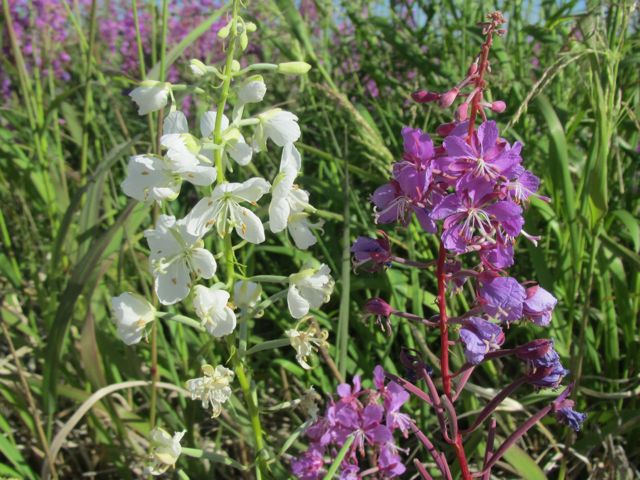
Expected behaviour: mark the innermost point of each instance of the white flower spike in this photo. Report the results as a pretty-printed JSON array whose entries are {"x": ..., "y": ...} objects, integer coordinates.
[
  {"x": 211, "y": 306},
  {"x": 165, "y": 450},
  {"x": 176, "y": 256},
  {"x": 212, "y": 388},
  {"x": 150, "y": 96},
  {"x": 223, "y": 210},
  {"x": 309, "y": 288},
  {"x": 131, "y": 313}
]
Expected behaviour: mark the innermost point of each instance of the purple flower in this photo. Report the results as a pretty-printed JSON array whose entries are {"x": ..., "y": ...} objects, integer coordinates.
[
  {"x": 522, "y": 185},
  {"x": 373, "y": 251},
  {"x": 501, "y": 297},
  {"x": 563, "y": 408},
  {"x": 539, "y": 305},
  {"x": 394, "y": 397},
  {"x": 484, "y": 158},
  {"x": 473, "y": 216},
  {"x": 309, "y": 466},
  {"x": 480, "y": 337},
  {"x": 534, "y": 349},
  {"x": 390, "y": 463},
  {"x": 381, "y": 311},
  {"x": 546, "y": 371}
]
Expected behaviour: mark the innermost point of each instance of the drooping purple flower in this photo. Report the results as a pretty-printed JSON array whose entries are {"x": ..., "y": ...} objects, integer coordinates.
[
  {"x": 374, "y": 253},
  {"x": 379, "y": 309},
  {"x": 563, "y": 408},
  {"x": 501, "y": 297},
  {"x": 473, "y": 216},
  {"x": 546, "y": 371},
  {"x": 539, "y": 305},
  {"x": 534, "y": 349},
  {"x": 480, "y": 337}
]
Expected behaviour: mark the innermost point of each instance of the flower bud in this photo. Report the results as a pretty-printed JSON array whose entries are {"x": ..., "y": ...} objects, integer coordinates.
[
  {"x": 197, "y": 67},
  {"x": 250, "y": 27},
  {"x": 424, "y": 96},
  {"x": 473, "y": 69},
  {"x": 448, "y": 98},
  {"x": 224, "y": 31},
  {"x": 235, "y": 66},
  {"x": 462, "y": 112},
  {"x": 498, "y": 106},
  {"x": 293, "y": 68},
  {"x": 445, "y": 129}
]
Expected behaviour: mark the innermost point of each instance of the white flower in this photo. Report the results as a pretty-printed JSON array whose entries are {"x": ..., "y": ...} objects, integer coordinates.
[
  {"x": 150, "y": 96},
  {"x": 306, "y": 342},
  {"x": 212, "y": 388},
  {"x": 175, "y": 122},
  {"x": 246, "y": 294},
  {"x": 309, "y": 288},
  {"x": 184, "y": 158},
  {"x": 150, "y": 178},
  {"x": 233, "y": 143},
  {"x": 278, "y": 125},
  {"x": 175, "y": 256},
  {"x": 211, "y": 306},
  {"x": 300, "y": 229},
  {"x": 131, "y": 313},
  {"x": 252, "y": 90},
  {"x": 165, "y": 450},
  {"x": 223, "y": 210}
]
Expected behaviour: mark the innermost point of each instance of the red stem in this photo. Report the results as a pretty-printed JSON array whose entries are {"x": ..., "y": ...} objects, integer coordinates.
[
  {"x": 444, "y": 354},
  {"x": 479, "y": 82}
]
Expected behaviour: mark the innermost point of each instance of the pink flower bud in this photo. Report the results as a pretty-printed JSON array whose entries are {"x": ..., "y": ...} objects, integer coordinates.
[
  {"x": 377, "y": 306},
  {"x": 424, "y": 96},
  {"x": 448, "y": 98},
  {"x": 473, "y": 69},
  {"x": 445, "y": 129},
  {"x": 462, "y": 112},
  {"x": 498, "y": 106}
]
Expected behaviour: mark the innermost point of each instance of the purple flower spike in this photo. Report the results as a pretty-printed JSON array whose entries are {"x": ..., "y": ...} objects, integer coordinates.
[
  {"x": 480, "y": 337},
  {"x": 502, "y": 297},
  {"x": 539, "y": 305},
  {"x": 372, "y": 252}
]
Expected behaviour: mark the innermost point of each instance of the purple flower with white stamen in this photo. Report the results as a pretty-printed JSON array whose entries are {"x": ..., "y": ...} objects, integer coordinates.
[
  {"x": 374, "y": 253},
  {"x": 501, "y": 297},
  {"x": 480, "y": 337}
]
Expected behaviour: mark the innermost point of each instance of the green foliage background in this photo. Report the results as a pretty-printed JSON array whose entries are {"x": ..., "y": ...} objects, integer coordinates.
[{"x": 71, "y": 240}]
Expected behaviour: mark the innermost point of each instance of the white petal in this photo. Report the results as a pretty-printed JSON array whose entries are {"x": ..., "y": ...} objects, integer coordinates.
[
  {"x": 278, "y": 214},
  {"x": 299, "y": 200},
  {"x": 175, "y": 122},
  {"x": 162, "y": 244},
  {"x": 130, "y": 309},
  {"x": 282, "y": 127},
  {"x": 180, "y": 151},
  {"x": 290, "y": 157},
  {"x": 314, "y": 297},
  {"x": 150, "y": 97},
  {"x": 201, "y": 175},
  {"x": 148, "y": 180},
  {"x": 300, "y": 231},
  {"x": 298, "y": 306},
  {"x": 208, "y": 123},
  {"x": 225, "y": 323},
  {"x": 174, "y": 285},
  {"x": 203, "y": 263},
  {"x": 252, "y": 91},
  {"x": 240, "y": 151},
  {"x": 201, "y": 218},
  {"x": 252, "y": 190},
  {"x": 248, "y": 225}
]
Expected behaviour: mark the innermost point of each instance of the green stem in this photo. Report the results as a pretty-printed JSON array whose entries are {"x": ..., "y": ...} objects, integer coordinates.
[
  {"x": 190, "y": 322},
  {"x": 268, "y": 345}
]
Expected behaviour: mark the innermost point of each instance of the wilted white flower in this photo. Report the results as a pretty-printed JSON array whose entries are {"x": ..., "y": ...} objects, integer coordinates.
[
  {"x": 165, "y": 450},
  {"x": 211, "y": 306},
  {"x": 278, "y": 125},
  {"x": 212, "y": 388},
  {"x": 150, "y": 96},
  {"x": 305, "y": 342},
  {"x": 246, "y": 294},
  {"x": 175, "y": 256},
  {"x": 308, "y": 403},
  {"x": 131, "y": 313},
  {"x": 309, "y": 288},
  {"x": 252, "y": 90},
  {"x": 223, "y": 210}
]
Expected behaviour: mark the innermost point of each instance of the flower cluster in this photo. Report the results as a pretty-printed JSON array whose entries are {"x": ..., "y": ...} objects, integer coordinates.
[
  {"x": 368, "y": 416},
  {"x": 470, "y": 190}
]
